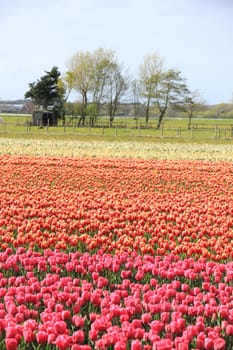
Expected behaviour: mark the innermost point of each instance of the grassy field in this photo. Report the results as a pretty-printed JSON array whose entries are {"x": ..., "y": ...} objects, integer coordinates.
[{"x": 125, "y": 129}]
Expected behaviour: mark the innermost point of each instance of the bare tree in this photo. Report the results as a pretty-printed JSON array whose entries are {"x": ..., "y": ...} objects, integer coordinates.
[
  {"x": 161, "y": 88},
  {"x": 80, "y": 71},
  {"x": 193, "y": 103},
  {"x": 103, "y": 61},
  {"x": 135, "y": 88},
  {"x": 117, "y": 86},
  {"x": 99, "y": 78},
  {"x": 149, "y": 76}
]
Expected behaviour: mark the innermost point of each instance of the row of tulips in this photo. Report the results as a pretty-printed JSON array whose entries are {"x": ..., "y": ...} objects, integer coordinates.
[
  {"x": 152, "y": 207},
  {"x": 126, "y": 301},
  {"x": 115, "y": 254},
  {"x": 115, "y": 149}
]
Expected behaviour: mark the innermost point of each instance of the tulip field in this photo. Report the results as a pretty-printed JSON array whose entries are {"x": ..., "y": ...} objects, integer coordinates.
[{"x": 115, "y": 253}]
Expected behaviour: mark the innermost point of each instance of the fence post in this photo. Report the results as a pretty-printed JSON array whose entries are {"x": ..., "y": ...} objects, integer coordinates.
[
  {"x": 116, "y": 130},
  {"x": 102, "y": 129},
  {"x": 47, "y": 127},
  {"x": 192, "y": 132},
  {"x": 216, "y": 131}
]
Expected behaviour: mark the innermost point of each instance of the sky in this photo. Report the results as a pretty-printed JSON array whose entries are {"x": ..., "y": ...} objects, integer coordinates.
[{"x": 193, "y": 36}]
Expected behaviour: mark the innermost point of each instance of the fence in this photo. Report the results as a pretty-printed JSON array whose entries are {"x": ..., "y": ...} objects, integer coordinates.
[{"x": 195, "y": 131}]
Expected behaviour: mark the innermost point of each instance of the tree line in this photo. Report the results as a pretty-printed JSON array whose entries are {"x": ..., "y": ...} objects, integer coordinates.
[{"x": 102, "y": 83}]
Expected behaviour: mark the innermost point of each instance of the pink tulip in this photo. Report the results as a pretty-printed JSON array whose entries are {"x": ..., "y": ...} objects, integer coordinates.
[
  {"x": 93, "y": 334},
  {"x": 219, "y": 344},
  {"x": 146, "y": 318},
  {"x": 200, "y": 342},
  {"x": 28, "y": 335},
  {"x": 11, "y": 331},
  {"x": 209, "y": 343},
  {"x": 175, "y": 328},
  {"x": 157, "y": 326},
  {"x": 78, "y": 336},
  {"x": 60, "y": 327},
  {"x": 78, "y": 321},
  {"x": 136, "y": 323},
  {"x": 120, "y": 345},
  {"x": 229, "y": 329},
  {"x": 153, "y": 282},
  {"x": 65, "y": 315},
  {"x": 163, "y": 344},
  {"x": 138, "y": 333},
  {"x": 41, "y": 337},
  {"x": 63, "y": 341},
  {"x": 181, "y": 344},
  {"x": 224, "y": 312},
  {"x": 102, "y": 282},
  {"x": 11, "y": 344},
  {"x": 30, "y": 323},
  {"x": 136, "y": 345},
  {"x": 76, "y": 347},
  {"x": 51, "y": 338}
]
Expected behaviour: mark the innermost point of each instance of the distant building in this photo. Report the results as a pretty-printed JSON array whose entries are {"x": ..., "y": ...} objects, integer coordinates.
[{"x": 15, "y": 106}]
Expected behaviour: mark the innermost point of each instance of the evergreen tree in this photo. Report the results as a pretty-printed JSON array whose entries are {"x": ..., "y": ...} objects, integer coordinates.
[{"x": 48, "y": 91}]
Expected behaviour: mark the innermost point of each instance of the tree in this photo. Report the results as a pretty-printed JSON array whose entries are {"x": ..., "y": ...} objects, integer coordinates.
[
  {"x": 116, "y": 87},
  {"x": 170, "y": 91},
  {"x": 67, "y": 84},
  {"x": 103, "y": 63},
  {"x": 73, "y": 108},
  {"x": 80, "y": 72},
  {"x": 98, "y": 78},
  {"x": 48, "y": 91},
  {"x": 161, "y": 88},
  {"x": 149, "y": 76},
  {"x": 135, "y": 88},
  {"x": 193, "y": 103}
]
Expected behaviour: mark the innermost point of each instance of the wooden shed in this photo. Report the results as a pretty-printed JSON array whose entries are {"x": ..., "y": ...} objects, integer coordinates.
[{"x": 44, "y": 118}]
